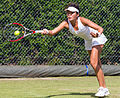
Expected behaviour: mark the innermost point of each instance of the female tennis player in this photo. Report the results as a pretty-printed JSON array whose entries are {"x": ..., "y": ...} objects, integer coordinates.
[{"x": 93, "y": 37}]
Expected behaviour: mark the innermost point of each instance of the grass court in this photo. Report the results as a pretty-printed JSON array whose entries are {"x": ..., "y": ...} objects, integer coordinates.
[{"x": 56, "y": 87}]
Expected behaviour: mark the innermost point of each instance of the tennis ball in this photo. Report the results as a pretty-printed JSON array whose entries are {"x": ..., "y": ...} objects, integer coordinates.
[{"x": 16, "y": 33}]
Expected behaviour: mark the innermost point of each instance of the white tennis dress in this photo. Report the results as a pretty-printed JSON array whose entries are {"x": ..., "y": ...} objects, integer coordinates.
[{"x": 84, "y": 32}]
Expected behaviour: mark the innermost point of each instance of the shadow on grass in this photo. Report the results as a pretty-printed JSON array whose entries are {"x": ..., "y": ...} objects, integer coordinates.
[{"x": 77, "y": 94}]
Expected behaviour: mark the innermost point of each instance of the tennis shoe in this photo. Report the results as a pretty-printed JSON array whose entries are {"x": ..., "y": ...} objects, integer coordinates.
[{"x": 102, "y": 92}]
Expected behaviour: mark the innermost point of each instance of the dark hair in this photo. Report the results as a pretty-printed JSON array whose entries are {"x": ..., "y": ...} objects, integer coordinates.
[{"x": 71, "y": 4}]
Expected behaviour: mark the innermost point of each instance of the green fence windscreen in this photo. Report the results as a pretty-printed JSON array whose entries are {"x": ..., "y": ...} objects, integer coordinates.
[{"x": 63, "y": 48}]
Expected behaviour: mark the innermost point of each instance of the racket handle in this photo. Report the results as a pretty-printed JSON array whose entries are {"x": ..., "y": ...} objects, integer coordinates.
[{"x": 39, "y": 31}]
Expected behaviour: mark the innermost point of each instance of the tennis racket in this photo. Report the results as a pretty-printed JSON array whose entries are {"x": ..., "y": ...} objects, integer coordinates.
[{"x": 14, "y": 32}]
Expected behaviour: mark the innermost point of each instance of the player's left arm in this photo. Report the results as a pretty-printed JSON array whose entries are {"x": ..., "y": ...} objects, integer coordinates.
[{"x": 91, "y": 24}]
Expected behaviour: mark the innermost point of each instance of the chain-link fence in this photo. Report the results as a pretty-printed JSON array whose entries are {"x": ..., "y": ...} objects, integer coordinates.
[{"x": 63, "y": 48}]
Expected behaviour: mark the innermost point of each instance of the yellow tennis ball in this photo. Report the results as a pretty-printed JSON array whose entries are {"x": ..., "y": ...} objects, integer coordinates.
[{"x": 16, "y": 33}]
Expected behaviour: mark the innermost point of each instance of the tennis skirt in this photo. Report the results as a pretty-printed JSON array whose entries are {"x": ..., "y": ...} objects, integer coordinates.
[{"x": 95, "y": 41}]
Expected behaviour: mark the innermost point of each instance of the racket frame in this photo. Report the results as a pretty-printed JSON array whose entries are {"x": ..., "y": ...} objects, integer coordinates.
[{"x": 25, "y": 29}]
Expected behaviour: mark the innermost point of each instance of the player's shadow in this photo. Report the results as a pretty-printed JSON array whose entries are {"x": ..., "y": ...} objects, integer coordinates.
[{"x": 77, "y": 94}]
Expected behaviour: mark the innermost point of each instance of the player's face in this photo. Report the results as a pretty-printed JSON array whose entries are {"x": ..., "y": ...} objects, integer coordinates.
[{"x": 71, "y": 15}]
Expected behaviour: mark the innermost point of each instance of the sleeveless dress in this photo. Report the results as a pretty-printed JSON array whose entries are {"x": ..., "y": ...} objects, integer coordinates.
[{"x": 84, "y": 32}]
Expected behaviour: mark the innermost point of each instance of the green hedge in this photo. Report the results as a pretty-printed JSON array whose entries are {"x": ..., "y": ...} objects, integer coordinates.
[{"x": 63, "y": 48}]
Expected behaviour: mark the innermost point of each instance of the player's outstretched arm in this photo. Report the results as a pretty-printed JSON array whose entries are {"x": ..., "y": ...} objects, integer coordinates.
[{"x": 63, "y": 25}]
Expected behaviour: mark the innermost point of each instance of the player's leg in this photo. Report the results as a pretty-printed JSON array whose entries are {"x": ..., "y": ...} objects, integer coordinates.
[{"x": 96, "y": 64}]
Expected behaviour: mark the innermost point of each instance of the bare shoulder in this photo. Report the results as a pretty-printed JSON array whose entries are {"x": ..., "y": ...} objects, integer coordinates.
[
  {"x": 61, "y": 26},
  {"x": 84, "y": 21},
  {"x": 83, "y": 18},
  {"x": 65, "y": 24}
]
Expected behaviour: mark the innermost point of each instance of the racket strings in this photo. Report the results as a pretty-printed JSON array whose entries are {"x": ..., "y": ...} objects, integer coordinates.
[{"x": 9, "y": 31}]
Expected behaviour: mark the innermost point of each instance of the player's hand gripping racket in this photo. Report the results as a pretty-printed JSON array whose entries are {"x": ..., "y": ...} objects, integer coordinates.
[{"x": 14, "y": 32}]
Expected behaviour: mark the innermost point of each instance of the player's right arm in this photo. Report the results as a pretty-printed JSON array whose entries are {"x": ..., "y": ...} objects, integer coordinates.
[{"x": 63, "y": 25}]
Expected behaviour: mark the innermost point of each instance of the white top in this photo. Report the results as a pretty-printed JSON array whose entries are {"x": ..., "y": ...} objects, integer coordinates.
[{"x": 83, "y": 31}]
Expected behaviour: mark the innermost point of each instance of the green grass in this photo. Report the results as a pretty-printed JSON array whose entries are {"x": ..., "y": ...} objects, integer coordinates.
[{"x": 56, "y": 87}]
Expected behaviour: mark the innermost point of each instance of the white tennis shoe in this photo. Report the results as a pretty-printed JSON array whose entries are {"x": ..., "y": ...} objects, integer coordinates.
[{"x": 102, "y": 92}]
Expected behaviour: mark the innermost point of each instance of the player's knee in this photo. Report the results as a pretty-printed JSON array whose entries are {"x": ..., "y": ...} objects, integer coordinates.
[{"x": 94, "y": 64}]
